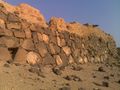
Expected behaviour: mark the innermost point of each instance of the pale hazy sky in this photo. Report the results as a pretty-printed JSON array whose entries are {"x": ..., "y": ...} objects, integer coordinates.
[{"x": 105, "y": 13}]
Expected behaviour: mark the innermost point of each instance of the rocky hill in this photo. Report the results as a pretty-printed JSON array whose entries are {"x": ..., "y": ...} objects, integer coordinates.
[{"x": 25, "y": 37}]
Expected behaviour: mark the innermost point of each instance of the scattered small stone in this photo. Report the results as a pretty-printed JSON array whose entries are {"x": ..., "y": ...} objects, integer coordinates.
[
  {"x": 67, "y": 84},
  {"x": 6, "y": 65},
  {"x": 119, "y": 81},
  {"x": 106, "y": 77},
  {"x": 81, "y": 88},
  {"x": 17, "y": 64},
  {"x": 96, "y": 89},
  {"x": 112, "y": 75},
  {"x": 97, "y": 84},
  {"x": 106, "y": 84},
  {"x": 76, "y": 68},
  {"x": 57, "y": 71},
  {"x": 37, "y": 71},
  {"x": 41, "y": 74},
  {"x": 94, "y": 76},
  {"x": 72, "y": 77},
  {"x": 101, "y": 69},
  {"x": 65, "y": 88}
]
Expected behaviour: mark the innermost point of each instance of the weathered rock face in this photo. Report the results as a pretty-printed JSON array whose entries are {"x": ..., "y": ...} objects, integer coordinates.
[{"x": 25, "y": 38}]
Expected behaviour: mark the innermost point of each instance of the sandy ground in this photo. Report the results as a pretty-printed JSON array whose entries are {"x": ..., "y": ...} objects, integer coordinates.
[{"x": 102, "y": 76}]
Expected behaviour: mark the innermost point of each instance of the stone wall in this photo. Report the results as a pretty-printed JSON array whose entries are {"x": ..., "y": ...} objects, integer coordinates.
[{"x": 22, "y": 41}]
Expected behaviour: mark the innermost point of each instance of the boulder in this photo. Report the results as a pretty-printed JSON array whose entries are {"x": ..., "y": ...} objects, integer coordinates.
[{"x": 33, "y": 58}]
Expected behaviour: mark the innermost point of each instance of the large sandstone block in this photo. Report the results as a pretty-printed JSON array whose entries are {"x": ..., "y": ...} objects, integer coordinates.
[
  {"x": 8, "y": 32},
  {"x": 19, "y": 33},
  {"x": 28, "y": 33},
  {"x": 10, "y": 42},
  {"x": 28, "y": 44},
  {"x": 5, "y": 54},
  {"x": 20, "y": 56},
  {"x": 16, "y": 26}
]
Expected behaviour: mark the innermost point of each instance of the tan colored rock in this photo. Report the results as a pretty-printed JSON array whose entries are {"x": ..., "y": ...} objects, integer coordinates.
[
  {"x": 1, "y": 32},
  {"x": 52, "y": 49},
  {"x": 67, "y": 50},
  {"x": 4, "y": 54},
  {"x": 58, "y": 60},
  {"x": 20, "y": 56},
  {"x": 27, "y": 33},
  {"x": 80, "y": 60},
  {"x": 57, "y": 24},
  {"x": 45, "y": 38},
  {"x": 19, "y": 33},
  {"x": 8, "y": 32},
  {"x": 71, "y": 60},
  {"x": 85, "y": 60},
  {"x": 28, "y": 44},
  {"x": 11, "y": 42},
  {"x": 39, "y": 36},
  {"x": 16, "y": 26},
  {"x": 2, "y": 23},
  {"x": 42, "y": 49},
  {"x": 33, "y": 58}
]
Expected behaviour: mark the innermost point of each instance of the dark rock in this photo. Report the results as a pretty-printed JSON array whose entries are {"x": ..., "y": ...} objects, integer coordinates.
[
  {"x": 106, "y": 77},
  {"x": 105, "y": 84},
  {"x": 72, "y": 77},
  {"x": 65, "y": 88},
  {"x": 57, "y": 71},
  {"x": 48, "y": 60},
  {"x": 101, "y": 69},
  {"x": 77, "y": 68}
]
